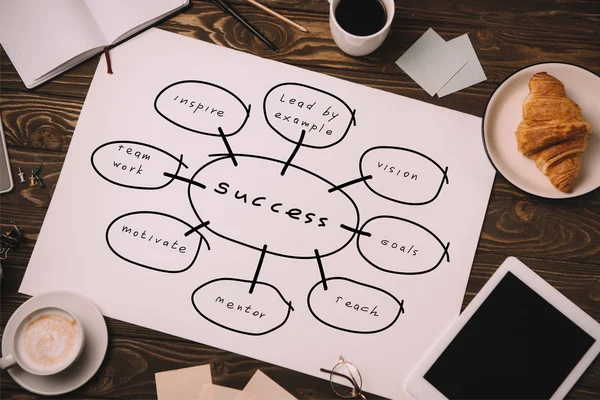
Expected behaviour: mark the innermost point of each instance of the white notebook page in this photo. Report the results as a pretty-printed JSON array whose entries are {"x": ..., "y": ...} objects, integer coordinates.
[
  {"x": 117, "y": 17},
  {"x": 39, "y": 35}
]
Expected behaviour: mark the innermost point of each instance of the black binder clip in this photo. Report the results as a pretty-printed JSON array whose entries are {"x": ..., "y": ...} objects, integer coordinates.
[{"x": 10, "y": 240}]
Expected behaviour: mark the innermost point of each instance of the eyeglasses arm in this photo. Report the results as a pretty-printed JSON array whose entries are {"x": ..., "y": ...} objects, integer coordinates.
[{"x": 358, "y": 389}]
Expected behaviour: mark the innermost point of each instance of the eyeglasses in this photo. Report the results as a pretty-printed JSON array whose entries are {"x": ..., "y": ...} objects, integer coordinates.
[{"x": 345, "y": 380}]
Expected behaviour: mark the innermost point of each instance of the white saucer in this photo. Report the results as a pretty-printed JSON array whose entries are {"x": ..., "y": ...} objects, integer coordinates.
[
  {"x": 96, "y": 343},
  {"x": 504, "y": 113}
]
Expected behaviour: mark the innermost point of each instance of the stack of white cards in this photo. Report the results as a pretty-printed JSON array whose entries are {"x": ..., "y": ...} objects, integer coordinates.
[{"x": 442, "y": 67}]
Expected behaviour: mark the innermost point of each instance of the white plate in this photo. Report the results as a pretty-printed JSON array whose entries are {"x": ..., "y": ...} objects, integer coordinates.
[
  {"x": 96, "y": 343},
  {"x": 503, "y": 114}
]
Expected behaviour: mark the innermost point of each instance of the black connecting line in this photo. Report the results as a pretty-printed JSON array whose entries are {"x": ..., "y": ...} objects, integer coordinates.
[
  {"x": 260, "y": 261},
  {"x": 196, "y": 229},
  {"x": 228, "y": 147},
  {"x": 357, "y": 231},
  {"x": 352, "y": 182},
  {"x": 186, "y": 180},
  {"x": 294, "y": 152},
  {"x": 321, "y": 271}
]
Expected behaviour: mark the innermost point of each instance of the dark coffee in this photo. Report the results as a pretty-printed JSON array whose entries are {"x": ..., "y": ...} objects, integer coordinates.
[{"x": 361, "y": 17}]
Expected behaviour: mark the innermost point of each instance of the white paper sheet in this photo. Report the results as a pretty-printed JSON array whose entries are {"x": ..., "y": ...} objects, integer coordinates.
[
  {"x": 183, "y": 383},
  {"x": 431, "y": 62},
  {"x": 265, "y": 388},
  {"x": 470, "y": 74},
  {"x": 389, "y": 295},
  {"x": 216, "y": 392}
]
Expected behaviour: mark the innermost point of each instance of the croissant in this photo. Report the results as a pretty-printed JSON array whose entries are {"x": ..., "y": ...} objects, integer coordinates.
[{"x": 553, "y": 132}]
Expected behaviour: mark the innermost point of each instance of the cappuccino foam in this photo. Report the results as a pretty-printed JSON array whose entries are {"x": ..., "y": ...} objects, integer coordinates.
[{"x": 49, "y": 340}]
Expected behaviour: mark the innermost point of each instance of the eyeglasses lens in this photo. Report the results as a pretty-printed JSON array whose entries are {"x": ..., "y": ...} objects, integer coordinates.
[{"x": 346, "y": 380}]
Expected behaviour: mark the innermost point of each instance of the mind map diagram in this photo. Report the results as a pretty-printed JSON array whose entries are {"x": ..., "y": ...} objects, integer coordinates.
[{"x": 319, "y": 221}]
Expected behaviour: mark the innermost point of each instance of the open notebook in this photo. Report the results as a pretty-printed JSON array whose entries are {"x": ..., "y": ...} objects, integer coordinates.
[{"x": 45, "y": 38}]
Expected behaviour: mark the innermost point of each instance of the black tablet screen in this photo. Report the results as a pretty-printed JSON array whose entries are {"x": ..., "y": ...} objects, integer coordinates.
[{"x": 516, "y": 345}]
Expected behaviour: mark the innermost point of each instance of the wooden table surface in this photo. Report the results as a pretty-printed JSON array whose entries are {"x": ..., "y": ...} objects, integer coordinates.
[{"x": 560, "y": 240}]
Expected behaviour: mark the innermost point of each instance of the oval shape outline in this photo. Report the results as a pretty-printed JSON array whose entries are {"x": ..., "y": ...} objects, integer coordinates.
[
  {"x": 228, "y": 156},
  {"x": 400, "y": 306},
  {"x": 445, "y": 247},
  {"x": 246, "y": 109},
  {"x": 287, "y": 303},
  {"x": 147, "y": 266},
  {"x": 444, "y": 174},
  {"x": 179, "y": 162},
  {"x": 352, "y": 114}
]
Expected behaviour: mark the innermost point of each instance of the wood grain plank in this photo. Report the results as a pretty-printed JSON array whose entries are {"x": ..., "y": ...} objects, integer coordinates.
[
  {"x": 39, "y": 122},
  {"x": 502, "y": 187},
  {"x": 502, "y": 50},
  {"x": 579, "y": 282},
  {"x": 129, "y": 367},
  {"x": 472, "y": 100},
  {"x": 581, "y": 8},
  {"x": 537, "y": 228}
]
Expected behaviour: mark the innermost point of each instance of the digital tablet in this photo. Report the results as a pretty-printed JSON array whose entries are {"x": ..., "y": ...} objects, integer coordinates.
[{"x": 519, "y": 338}]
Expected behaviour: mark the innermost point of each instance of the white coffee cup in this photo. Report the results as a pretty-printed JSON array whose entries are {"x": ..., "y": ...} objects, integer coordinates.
[
  {"x": 359, "y": 45},
  {"x": 47, "y": 340}
]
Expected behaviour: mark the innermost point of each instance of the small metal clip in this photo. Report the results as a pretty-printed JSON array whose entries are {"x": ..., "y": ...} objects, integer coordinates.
[{"x": 10, "y": 240}]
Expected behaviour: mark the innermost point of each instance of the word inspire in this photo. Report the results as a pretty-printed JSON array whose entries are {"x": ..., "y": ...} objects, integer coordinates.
[
  {"x": 198, "y": 106},
  {"x": 293, "y": 213},
  {"x": 310, "y": 125},
  {"x": 157, "y": 241}
]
